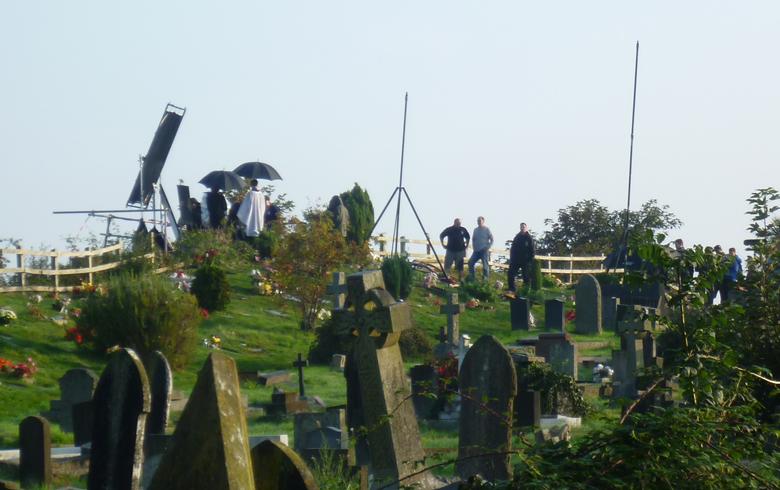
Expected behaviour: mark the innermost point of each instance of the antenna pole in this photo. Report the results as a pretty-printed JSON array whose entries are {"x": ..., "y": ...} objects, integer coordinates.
[
  {"x": 400, "y": 180},
  {"x": 631, "y": 150}
]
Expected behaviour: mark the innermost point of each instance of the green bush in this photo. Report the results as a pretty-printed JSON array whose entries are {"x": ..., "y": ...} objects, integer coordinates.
[
  {"x": 211, "y": 287},
  {"x": 328, "y": 342},
  {"x": 265, "y": 244},
  {"x": 361, "y": 214},
  {"x": 415, "y": 344},
  {"x": 145, "y": 313},
  {"x": 397, "y": 273},
  {"x": 482, "y": 291},
  {"x": 559, "y": 392},
  {"x": 218, "y": 244},
  {"x": 536, "y": 275}
]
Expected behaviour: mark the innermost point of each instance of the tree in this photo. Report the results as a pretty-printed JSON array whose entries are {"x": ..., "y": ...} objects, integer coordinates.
[
  {"x": 306, "y": 256},
  {"x": 590, "y": 228},
  {"x": 361, "y": 214}
]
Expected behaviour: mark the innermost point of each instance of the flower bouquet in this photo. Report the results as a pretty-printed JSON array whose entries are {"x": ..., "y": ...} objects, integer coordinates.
[{"x": 7, "y": 315}]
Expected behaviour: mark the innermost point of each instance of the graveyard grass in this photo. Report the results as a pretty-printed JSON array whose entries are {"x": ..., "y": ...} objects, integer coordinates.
[{"x": 262, "y": 334}]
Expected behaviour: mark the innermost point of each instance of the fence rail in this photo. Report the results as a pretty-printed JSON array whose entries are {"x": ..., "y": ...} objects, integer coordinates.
[
  {"x": 22, "y": 271},
  {"x": 498, "y": 258}
]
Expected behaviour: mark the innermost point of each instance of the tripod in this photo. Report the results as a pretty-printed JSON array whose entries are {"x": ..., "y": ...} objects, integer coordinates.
[{"x": 402, "y": 190}]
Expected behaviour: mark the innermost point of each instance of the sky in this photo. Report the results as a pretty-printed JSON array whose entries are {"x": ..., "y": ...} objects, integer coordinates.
[{"x": 516, "y": 109}]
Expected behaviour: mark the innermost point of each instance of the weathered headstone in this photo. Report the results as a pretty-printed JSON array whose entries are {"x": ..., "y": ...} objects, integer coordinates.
[
  {"x": 626, "y": 362},
  {"x": 338, "y": 362},
  {"x": 488, "y": 385},
  {"x": 394, "y": 441},
  {"x": 34, "y": 452},
  {"x": 83, "y": 420},
  {"x": 560, "y": 351},
  {"x": 287, "y": 402},
  {"x": 554, "y": 315},
  {"x": 609, "y": 306},
  {"x": 423, "y": 379},
  {"x": 210, "y": 447},
  {"x": 317, "y": 434},
  {"x": 300, "y": 363},
  {"x": 463, "y": 348},
  {"x": 520, "y": 313},
  {"x": 648, "y": 349},
  {"x": 121, "y": 403},
  {"x": 277, "y": 467},
  {"x": 338, "y": 289},
  {"x": 453, "y": 309},
  {"x": 161, "y": 385},
  {"x": 273, "y": 378},
  {"x": 632, "y": 318},
  {"x": 528, "y": 408},
  {"x": 76, "y": 386},
  {"x": 588, "y": 305}
]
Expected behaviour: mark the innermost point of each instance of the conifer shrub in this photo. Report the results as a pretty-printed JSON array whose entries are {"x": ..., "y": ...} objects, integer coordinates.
[
  {"x": 536, "y": 275},
  {"x": 145, "y": 313},
  {"x": 415, "y": 344},
  {"x": 329, "y": 342},
  {"x": 397, "y": 273},
  {"x": 211, "y": 287},
  {"x": 266, "y": 244},
  {"x": 361, "y": 214}
]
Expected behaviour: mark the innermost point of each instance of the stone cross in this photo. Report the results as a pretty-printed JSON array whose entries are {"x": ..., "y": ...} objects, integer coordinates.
[
  {"x": 452, "y": 309},
  {"x": 383, "y": 389},
  {"x": 488, "y": 386},
  {"x": 338, "y": 289},
  {"x": 34, "y": 453},
  {"x": 300, "y": 364},
  {"x": 121, "y": 404}
]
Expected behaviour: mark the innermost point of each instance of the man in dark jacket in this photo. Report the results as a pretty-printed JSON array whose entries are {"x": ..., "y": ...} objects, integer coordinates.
[
  {"x": 521, "y": 256},
  {"x": 457, "y": 242}
]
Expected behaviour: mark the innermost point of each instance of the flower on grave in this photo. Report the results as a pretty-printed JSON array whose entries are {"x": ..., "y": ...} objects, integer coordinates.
[
  {"x": 430, "y": 280},
  {"x": 75, "y": 334},
  {"x": 323, "y": 314},
  {"x": 75, "y": 312},
  {"x": 7, "y": 315},
  {"x": 204, "y": 312},
  {"x": 36, "y": 298},
  {"x": 88, "y": 287},
  {"x": 265, "y": 288},
  {"x": 182, "y": 281},
  {"x": 498, "y": 285},
  {"x": 571, "y": 315},
  {"x": 213, "y": 342},
  {"x": 472, "y": 303},
  {"x": 35, "y": 311},
  {"x": 25, "y": 369},
  {"x": 61, "y": 304},
  {"x": 6, "y": 366}
]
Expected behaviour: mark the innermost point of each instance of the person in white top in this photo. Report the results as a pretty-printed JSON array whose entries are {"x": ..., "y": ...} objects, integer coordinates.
[
  {"x": 481, "y": 241},
  {"x": 252, "y": 210}
]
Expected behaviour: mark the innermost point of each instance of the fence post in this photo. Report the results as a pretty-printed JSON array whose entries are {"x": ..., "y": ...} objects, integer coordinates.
[
  {"x": 89, "y": 263},
  {"x": 571, "y": 269},
  {"x": 55, "y": 264},
  {"x": 403, "y": 245},
  {"x": 601, "y": 263},
  {"x": 381, "y": 241},
  {"x": 20, "y": 265}
]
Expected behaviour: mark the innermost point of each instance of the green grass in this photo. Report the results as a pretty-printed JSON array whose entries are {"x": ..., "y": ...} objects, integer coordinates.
[{"x": 261, "y": 334}]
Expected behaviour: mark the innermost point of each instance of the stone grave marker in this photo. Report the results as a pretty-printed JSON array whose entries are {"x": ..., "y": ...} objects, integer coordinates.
[
  {"x": 609, "y": 306},
  {"x": 394, "y": 441},
  {"x": 520, "y": 313},
  {"x": 648, "y": 349},
  {"x": 453, "y": 309},
  {"x": 338, "y": 289},
  {"x": 287, "y": 402},
  {"x": 554, "y": 315},
  {"x": 463, "y": 348},
  {"x": 161, "y": 385},
  {"x": 76, "y": 386},
  {"x": 210, "y": 447},
  {"x": 338, "y": 362},
  {"x": 626, "y": 362},
  {"x": 587, "y": 294},
  {"x": 563, "y": 358},
  {"x": 277, "y": 467},
  {"x": 442, "y": 350},
  {"x": 423, "y": 378},
  {"x": 83, "y": 420},
  {"x": 528, "y": 408},
  {"x": 273, "y": 378},
  {"x": 300, "y": 363},
  {"x": 34, "y": 452},
  {"x": 320, "y": 433},
  {"x": 121, "y": 403},
  {"x": 488, "y": 386}
]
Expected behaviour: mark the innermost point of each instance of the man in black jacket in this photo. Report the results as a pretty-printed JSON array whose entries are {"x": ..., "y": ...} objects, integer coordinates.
[
  {"x": 521, "y": 256},
  {"x": 457, "y": 242}
]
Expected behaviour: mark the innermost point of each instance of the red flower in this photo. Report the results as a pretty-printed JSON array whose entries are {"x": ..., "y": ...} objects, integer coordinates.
[
  {"x": 204, "y": 312},
  {"x": 571, "y": 316}
]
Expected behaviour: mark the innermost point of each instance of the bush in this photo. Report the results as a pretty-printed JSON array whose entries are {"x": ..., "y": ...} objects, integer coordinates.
[
  {"x": 361, "y": 214},
  {"x": 415, "y": 344},
  {"x": 266, "y": 244},
  {"x": 397, "y": 273},
  {"x": 328, "y": 342},
  {"x": 536, "y": 275},
  {"x": 480, "y": 290},
  {"x": 145, "y": 313},
  {"x": 211, "y": 287},
  {"x": 559, "y": 392},
  {"x": 219, "y": 244}
]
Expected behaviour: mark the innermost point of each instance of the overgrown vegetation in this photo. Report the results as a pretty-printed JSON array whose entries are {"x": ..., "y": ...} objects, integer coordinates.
[
  {"x": 397, "y": 273},
  {"x": 211, "y": 287},
  {"x": 361, "y": 214}
]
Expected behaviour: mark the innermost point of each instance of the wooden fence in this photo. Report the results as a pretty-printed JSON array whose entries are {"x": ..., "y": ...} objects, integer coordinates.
[
  {"x": 567, "y": 268},
  {"x": 55, "y": 269}
]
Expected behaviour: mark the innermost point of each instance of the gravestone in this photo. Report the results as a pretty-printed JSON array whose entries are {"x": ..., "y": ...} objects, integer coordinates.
[
  {"x": 277, "y": 467},
  {"x": 384, "y": 391},
  {"x": 318, "y": 434},
  {"x": 76, "y": 386},
  {"x": 554, "y": 315},
  {"x": 273, "y": 378},
  {"x": 287, "y": 402},
  {"x": 588, "y": 305},
  {"x": 626, "y": 362},
  {"x": 423, "y": 379},
  {"x": 83, "y": 420},
  {"x": 300, "y": 363},
  {"x": 609, "y": 306},
  {"x": 520, "y": 313},
  {"x": 463, "y": 348},
  {"x": 528, "y": 408},
  {"x": 632, "y": 318},
  {"x": 210, "y": 447},
  {"x": 488, "y": 386},
  {"x": 453, "y": 309},
  {"x": 338, "y": 289},
  {"x": 161, "y": 385},
  {"x": 121, "y": 403},
  {"x": 648, "y": 349},
  {"x": 34, "y": 452},
  {"x": 338, "y": 362},
  {"x": 560, "y": 351}
]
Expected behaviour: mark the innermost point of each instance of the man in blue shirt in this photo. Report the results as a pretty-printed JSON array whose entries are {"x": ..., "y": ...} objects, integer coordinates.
[
  {"x": 481, "y": 240},
  {"x": 732, "y": 274}
]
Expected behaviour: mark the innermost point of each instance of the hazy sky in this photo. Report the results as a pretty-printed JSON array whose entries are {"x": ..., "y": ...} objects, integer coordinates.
[{"x": 516, "y": 109}]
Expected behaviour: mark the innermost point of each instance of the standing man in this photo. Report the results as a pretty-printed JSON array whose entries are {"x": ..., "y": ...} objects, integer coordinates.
[
  {"x": 252, "y": 210},
  {"x": 482, "y": 240},
  {"x": 457, "y": 242},
  {"x": 520, "y": 256},
  {"x": 732, "y": 273}
]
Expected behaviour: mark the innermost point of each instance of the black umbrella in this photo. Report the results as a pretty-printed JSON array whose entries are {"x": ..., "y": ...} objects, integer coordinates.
[
  {"x": 257, "y": 170},
  {"x": 223, "y": 179}
]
